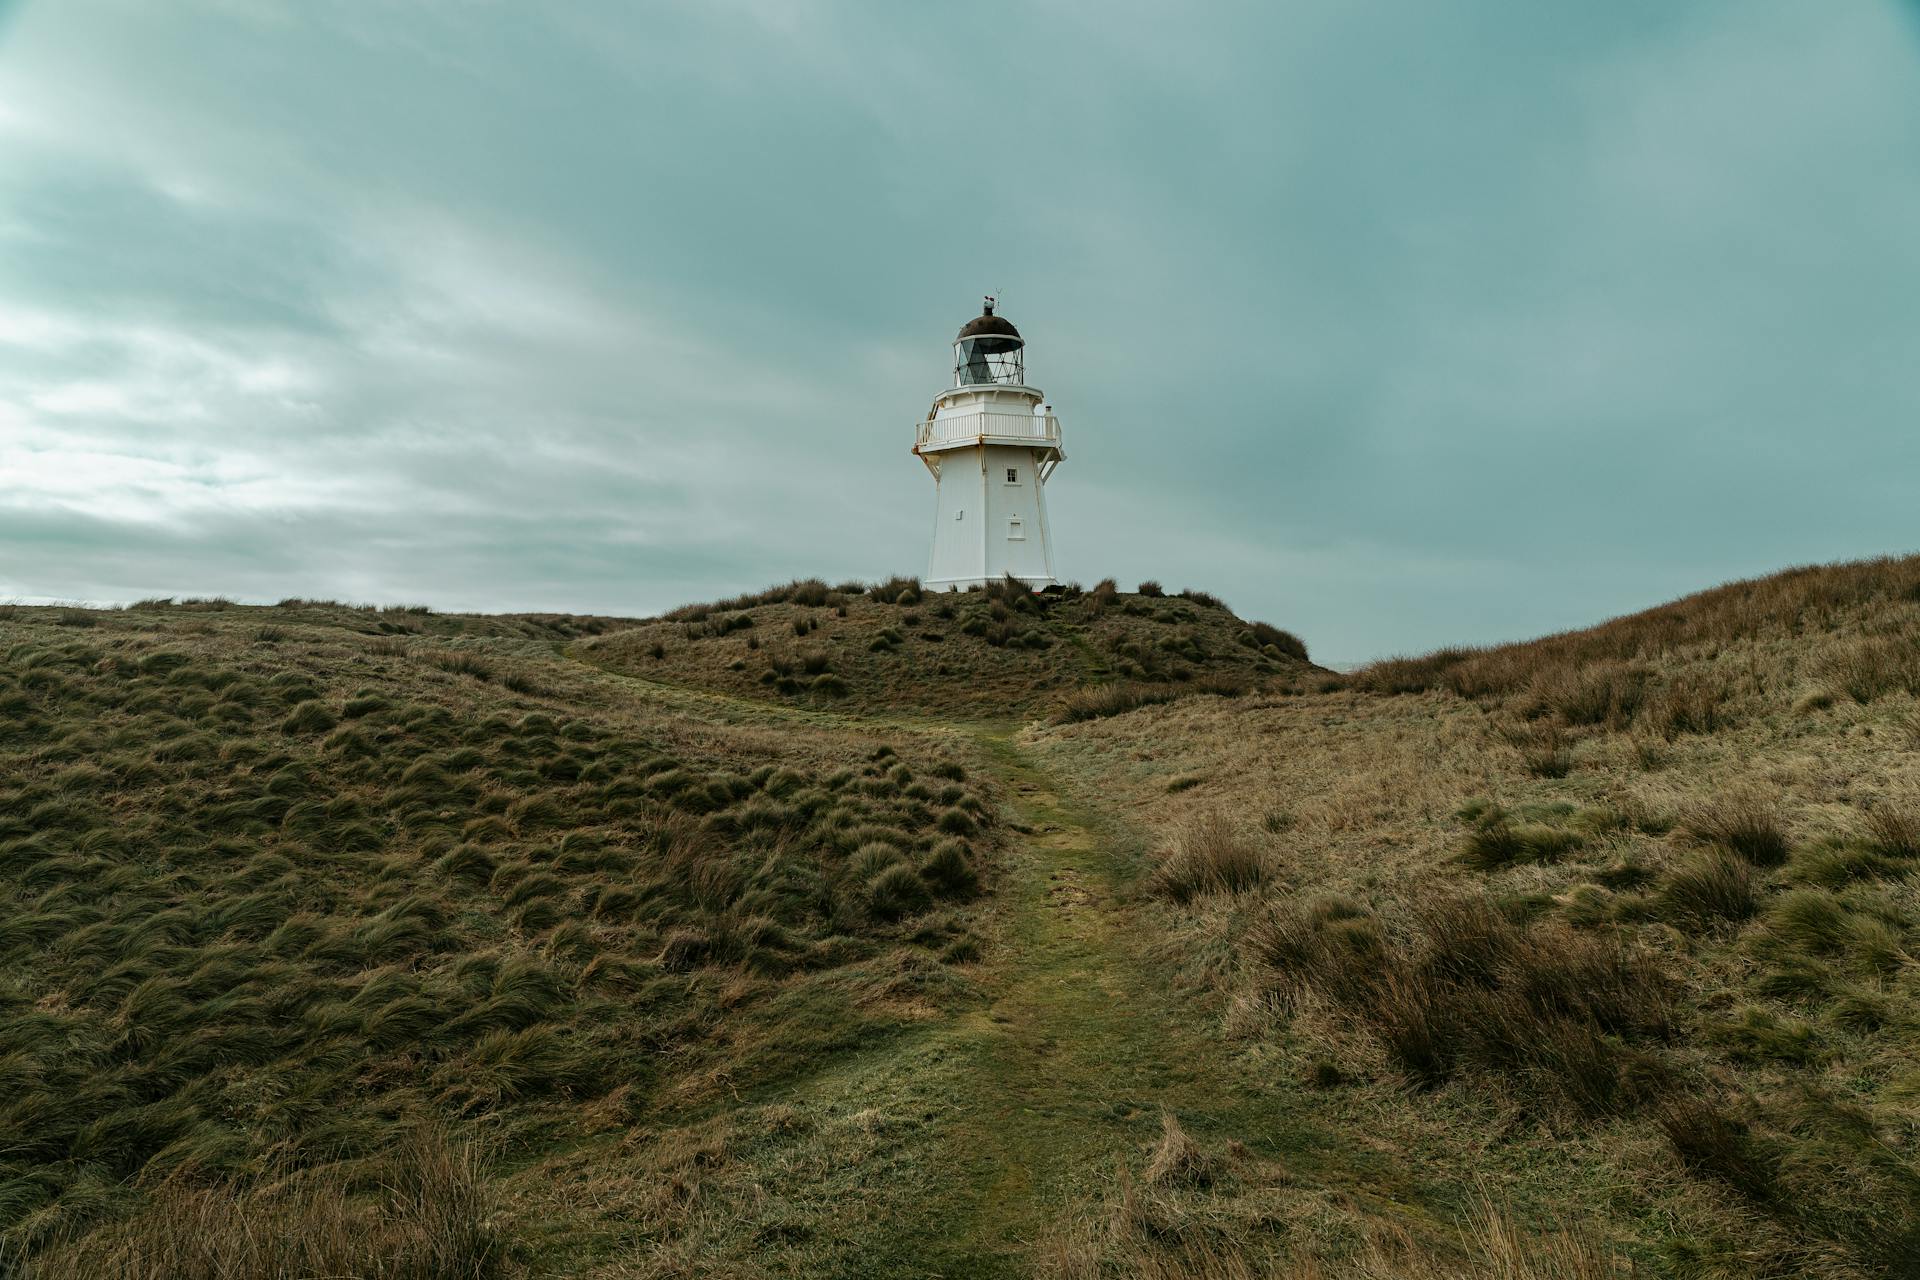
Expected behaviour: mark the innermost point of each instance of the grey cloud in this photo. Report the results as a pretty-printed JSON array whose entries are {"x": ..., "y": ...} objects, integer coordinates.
[{"x": 1397, "y": 325}]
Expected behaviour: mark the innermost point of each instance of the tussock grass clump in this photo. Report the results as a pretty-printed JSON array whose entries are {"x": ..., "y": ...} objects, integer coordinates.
[
  {"x": 1267, "y": 636},
  {"x": 1101, "y": 701},
  {"x": 1140, "y": 1231},
  {"x": 254, "y": 931},
  {"x": 1715, "y": 1144},
  {"x": 1209, "y": 855},
  {"x": 896, "y": 892},
  {"x": 896, "y": 590},
  {"x": 1816, "y": 1169},
  {"x": 1497, "y": 841},
  {"x": 1810, "y": 922},
  {"x": 957, "y": 822},
  {"x": 423, "y": 1212},
  {"x": 1179, "y": 1161},
  {"x": 1893, "y": 830},
  {"x": 463, "y": 664},
  {"x": 1746, "y": 822},
  {"x": 311, "y": 716},
  {"x": 1870, "y": 667},
  {"x": 1605, "y": 693},
  {"x": 1711, "y": 889},
  {"x": 1550, "y": 1010},
  {"x": 949, "y": 870}
]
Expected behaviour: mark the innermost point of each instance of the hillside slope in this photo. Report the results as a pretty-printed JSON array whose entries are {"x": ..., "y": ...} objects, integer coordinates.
[
  {"x": 306, "y": 902},
  {"x": 1619, "y": 924},
  {"x": 392, "y": 944}
]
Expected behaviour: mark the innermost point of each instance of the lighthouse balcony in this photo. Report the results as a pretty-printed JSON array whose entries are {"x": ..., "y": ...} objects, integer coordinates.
[{"x": 964, "y": 430}]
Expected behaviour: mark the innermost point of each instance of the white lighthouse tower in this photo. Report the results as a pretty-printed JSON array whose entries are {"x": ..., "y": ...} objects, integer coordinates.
[{"x": 991, "y": 441}]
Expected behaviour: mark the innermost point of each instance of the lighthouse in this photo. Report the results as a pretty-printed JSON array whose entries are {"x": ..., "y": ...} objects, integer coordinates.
[{"x": 990, "y": 441}]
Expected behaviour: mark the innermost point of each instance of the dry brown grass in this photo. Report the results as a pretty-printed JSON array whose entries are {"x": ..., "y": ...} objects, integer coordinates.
[
  {"x": 1756, "y": 746},
  {"x": 1849, "y": 628},
  {"x": 425, "y": 1212},
  {"x": 1210, "y": 854},
  {"x": 1541, "y": 1008},
  {"x": 1745, "y": 821},
  {"x": 1179, "y": 1161},
  {"x": 1144, "y": 1232}
]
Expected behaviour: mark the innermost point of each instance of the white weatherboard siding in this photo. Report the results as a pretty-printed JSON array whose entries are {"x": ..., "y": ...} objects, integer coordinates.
[
  {"x": 990, "y": 449},
  {"x": 985, "y": 525}
]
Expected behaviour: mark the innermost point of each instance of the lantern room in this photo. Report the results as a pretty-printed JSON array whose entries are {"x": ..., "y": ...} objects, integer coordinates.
[{"x": 989, "y": 350}]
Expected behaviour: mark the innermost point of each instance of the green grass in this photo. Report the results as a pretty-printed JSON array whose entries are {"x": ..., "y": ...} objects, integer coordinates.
[{"x": 265, "y": 916}]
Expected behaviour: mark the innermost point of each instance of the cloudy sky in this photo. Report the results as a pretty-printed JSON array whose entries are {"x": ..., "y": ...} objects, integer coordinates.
[{"x": 1396, "y": 324}]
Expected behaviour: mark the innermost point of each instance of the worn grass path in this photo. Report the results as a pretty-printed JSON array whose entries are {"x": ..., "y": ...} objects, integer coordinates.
[
  {"x": 1033, "y": 1103},
  {"x": 998, "y": 1122}
]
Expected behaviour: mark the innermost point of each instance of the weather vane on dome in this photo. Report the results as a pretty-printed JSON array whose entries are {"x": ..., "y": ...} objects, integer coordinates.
[{"x": 987, "y": 305}]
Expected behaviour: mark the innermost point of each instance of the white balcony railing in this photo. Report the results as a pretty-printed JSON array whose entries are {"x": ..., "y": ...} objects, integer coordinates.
[{"x": 988, "y": 427}]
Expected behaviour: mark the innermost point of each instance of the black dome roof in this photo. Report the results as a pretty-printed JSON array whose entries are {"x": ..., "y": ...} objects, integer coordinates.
[{"x": 987, "y": 322}]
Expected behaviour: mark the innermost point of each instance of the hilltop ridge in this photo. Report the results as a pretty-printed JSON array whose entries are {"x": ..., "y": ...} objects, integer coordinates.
[{"x": 1003, "y": 652}]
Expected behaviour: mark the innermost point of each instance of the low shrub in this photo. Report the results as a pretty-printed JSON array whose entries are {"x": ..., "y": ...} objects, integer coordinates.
[{"x": 1151, "y": 589}]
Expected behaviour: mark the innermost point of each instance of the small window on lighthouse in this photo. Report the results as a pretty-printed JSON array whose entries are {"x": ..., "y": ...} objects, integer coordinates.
[
  {"x": 1013, "y": 475},
  {"x": 1014, "y": 531}
]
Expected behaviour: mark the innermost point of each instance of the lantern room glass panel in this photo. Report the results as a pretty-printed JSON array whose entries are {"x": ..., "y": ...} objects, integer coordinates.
[{"x": 989, "y": 358}]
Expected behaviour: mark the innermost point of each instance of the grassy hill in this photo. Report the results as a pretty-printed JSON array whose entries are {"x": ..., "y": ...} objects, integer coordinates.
[
  {"x": 305, "y": 902},
  {"x": 777, "y": 937},
  {"x": 1619, "y": 924},
  {"x": 1001, "y": 653}
]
